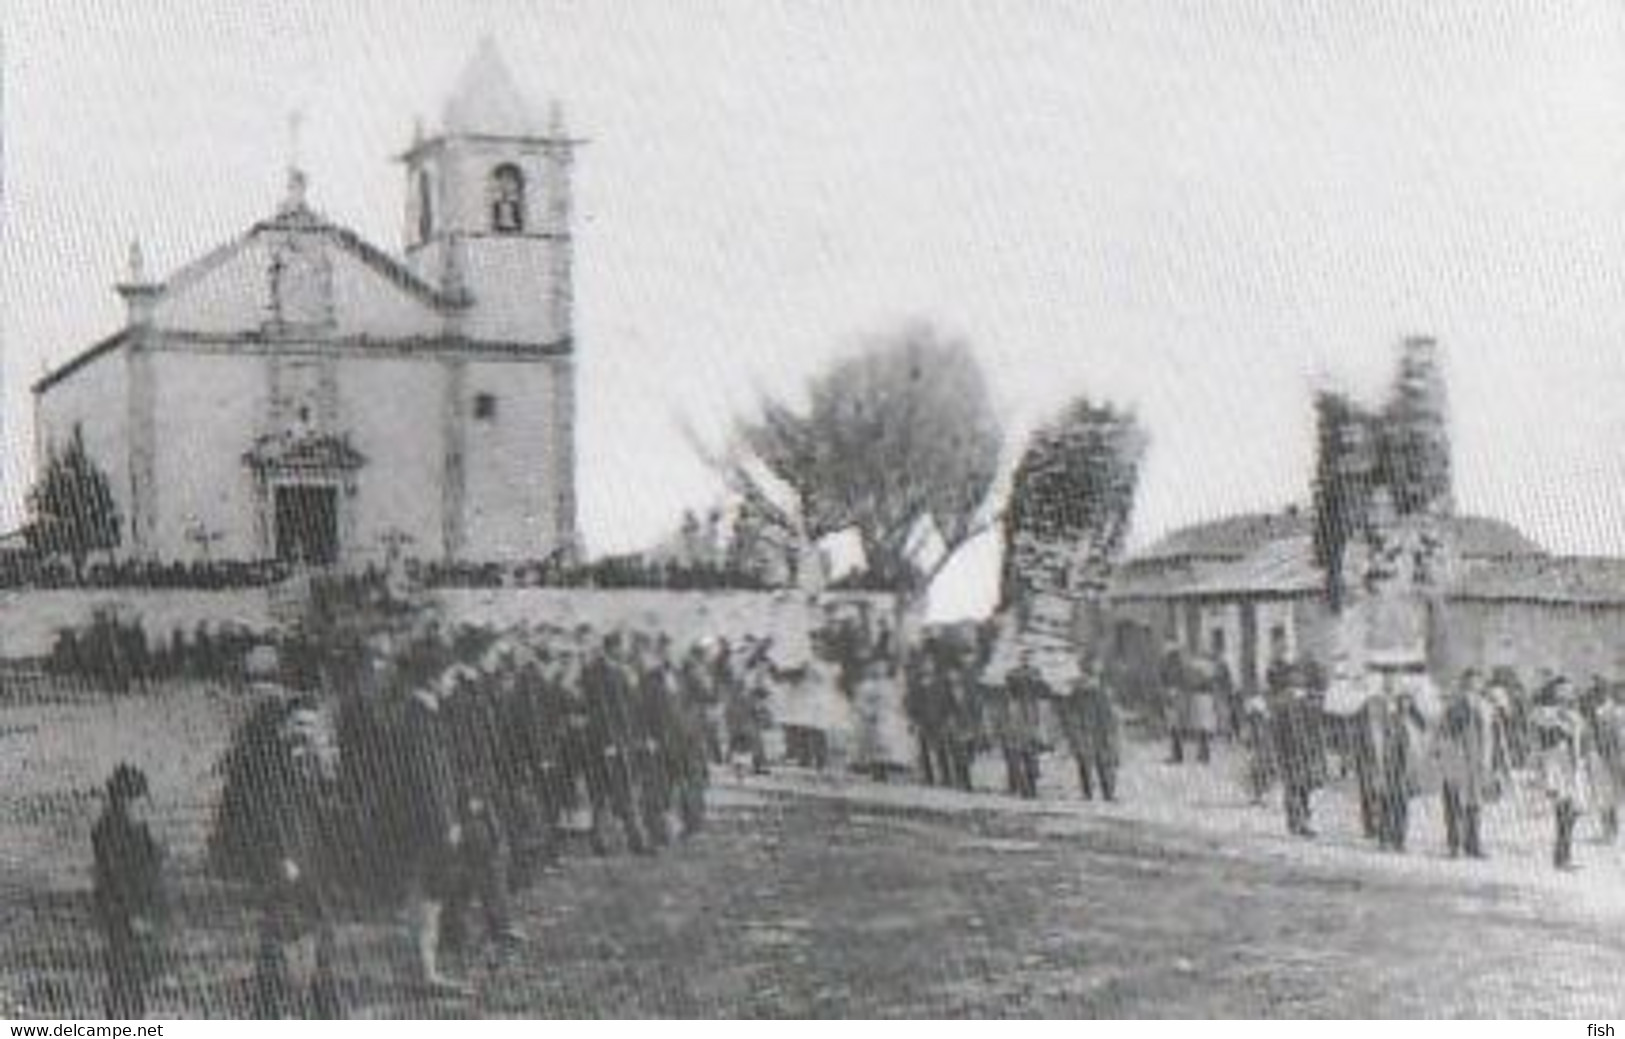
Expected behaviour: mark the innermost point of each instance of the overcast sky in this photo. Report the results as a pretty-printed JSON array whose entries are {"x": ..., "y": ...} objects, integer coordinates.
[{"x": 1196, "y": 208}]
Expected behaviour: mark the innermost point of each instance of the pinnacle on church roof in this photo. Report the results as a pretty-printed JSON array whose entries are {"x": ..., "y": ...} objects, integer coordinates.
[
  {"x": 137, "y": 273},
  {"x": 294, "y": 200},
  {"x": 486, "y": 99}
]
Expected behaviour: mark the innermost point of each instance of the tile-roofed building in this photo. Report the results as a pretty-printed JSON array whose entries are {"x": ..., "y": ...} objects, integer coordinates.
[
  {"x": 1228, "y": 538},
  {"x": 1231, "y": 586}
]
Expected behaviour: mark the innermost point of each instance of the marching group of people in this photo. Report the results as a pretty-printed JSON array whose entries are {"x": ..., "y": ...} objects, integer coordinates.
[
  {"x": 442, "y": 774},
  {"x": 1391, "y": 726},
  {"x": 442, "y": 769}
]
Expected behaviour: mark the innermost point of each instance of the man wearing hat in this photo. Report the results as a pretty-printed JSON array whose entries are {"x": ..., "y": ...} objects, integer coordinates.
[
  {"x": 297, "y": 867},
  {"x": 1090, "y": 724},
  {"x": 1293, "y": 721},
  {"x": 1174, "y": 678},
  {"x": 468, "y": 704},
  {"x": 1560, "y": 741},
  {"x": 129, "y": 892},
  {"x": 432, "y": 800},
  {"x": 1464, "y": 750},
  {"x": 1609, "y": 724},
  {"x": 653, "y": 719},
  {"x": 536, "y": 718},
  {"x": 689, "y": 745},
  {"x": 609, "y": 690}
]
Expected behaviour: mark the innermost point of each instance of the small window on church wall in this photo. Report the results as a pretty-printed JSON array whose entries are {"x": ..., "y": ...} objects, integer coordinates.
[
  {"x": 507, "y": 199},
  {"x": 425, "y": 207},
  {"x": 485, "y": 406}
]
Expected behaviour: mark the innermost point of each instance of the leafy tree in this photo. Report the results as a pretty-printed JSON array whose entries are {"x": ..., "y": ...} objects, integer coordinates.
[
  {"x": 71, "y": 509},
  {"x": 1074, "y": 486},
  {"x": 897, "y": 443}
]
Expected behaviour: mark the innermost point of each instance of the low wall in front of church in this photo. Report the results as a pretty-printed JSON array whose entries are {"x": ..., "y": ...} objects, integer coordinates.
[{"x": 31, "y": 618}]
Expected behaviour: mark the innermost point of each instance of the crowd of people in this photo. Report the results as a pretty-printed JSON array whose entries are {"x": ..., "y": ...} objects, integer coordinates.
[
  {"x": 442, "y": 770},
  {"x": 1390, "y": 728},
  {"x": 1399, "y": 734}
]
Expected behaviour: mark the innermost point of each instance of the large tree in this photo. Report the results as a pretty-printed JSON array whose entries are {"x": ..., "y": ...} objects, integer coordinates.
[
  {"x": 897, "y": 443},
  {"x": 1074, "y": 487},
  {"x": 72, "y": 511}
]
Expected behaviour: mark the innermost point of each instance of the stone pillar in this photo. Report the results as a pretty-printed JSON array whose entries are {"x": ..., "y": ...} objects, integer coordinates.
[
  {"x": 140, "y": 298},
  {"x": 454, "y": 478},
  {"x": 557, "y": 215},
  {"x": 562, "y": 458},
  {"x": 560, "y": 301},
  {"x": 142, "y": 523}
]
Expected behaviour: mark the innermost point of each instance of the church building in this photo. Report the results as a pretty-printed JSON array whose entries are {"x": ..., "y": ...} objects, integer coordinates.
[{"x": 302, "y": 394}]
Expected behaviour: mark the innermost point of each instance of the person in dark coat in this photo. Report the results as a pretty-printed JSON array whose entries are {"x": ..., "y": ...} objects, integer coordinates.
[
  {"x": 430, "y": 797},
  {"x": 468, "y": 700},
  {"x": 1292, "y": 723},
  {"x": 1395, "y": 728},
  {"x": 1560, "y": 749},
  {"x": 1092, "y": 733},
  {"x": 1465, "y": 751},
  {"x": 653, "y": 720},
  {"x": 546, "y": 714},
  {"x": 964, "y": 723},
  {"x": 129, "y": 898},
  {"x": 922, "y": 702},
  {"x": 296, "y": 867},
  {"x": 1609, "y": 741},
  {"x": 522, "y": 730},
  {"x": 1364, "y": 749},
  {"x": 609, "y": 691},
  {"x": 1024, "y": 690},
  {"x": 688, "y": 749},
  {"x": 1173, "y": 677}
]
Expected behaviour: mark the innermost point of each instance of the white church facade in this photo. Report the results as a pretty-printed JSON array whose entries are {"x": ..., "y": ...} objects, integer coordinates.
[{"x": 301, "y": 394}]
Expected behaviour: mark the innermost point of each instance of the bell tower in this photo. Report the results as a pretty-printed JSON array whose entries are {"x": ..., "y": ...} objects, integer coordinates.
[
  {"x": 488, "y": 205},
  {"x": 488, "y": 221}
]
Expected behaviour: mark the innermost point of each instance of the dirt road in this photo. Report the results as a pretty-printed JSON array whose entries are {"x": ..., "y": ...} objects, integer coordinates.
[
  {"x": 793, "y": 905},
  {"x": 813, "y": 897}
]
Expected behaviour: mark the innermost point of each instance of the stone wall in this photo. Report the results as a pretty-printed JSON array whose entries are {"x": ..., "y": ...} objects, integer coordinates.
[
  {"x": 30, "y": 619},
  {"x": 1577, "y": 641}
]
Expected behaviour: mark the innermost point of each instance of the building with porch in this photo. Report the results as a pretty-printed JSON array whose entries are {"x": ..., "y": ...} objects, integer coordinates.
[{"x": 302, "y": 394}]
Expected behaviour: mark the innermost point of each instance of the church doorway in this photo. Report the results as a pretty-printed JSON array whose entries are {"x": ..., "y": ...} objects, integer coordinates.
[{"x": 307, "y": 524}]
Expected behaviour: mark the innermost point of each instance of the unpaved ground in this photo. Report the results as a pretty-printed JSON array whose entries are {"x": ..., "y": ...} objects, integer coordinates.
[{"x": 806, "y": 898}]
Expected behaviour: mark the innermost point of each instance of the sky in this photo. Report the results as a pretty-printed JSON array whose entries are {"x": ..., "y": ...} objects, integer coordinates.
[{"x": 1201, "y": 210}]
